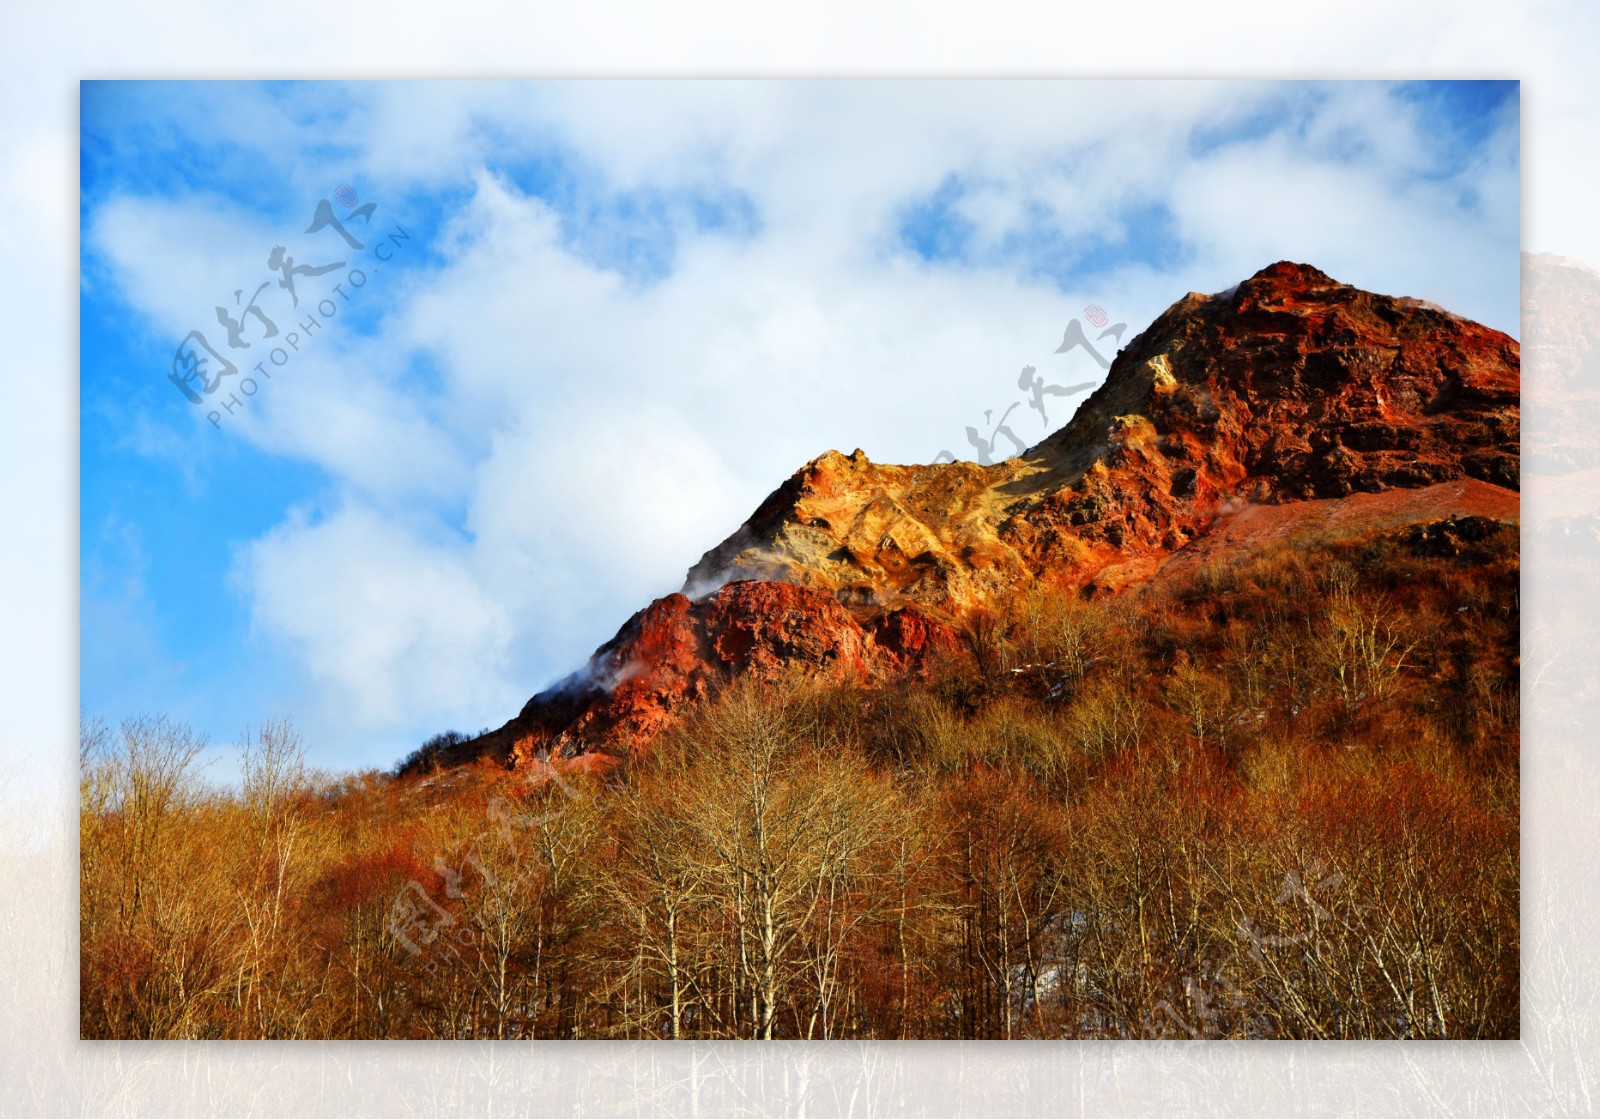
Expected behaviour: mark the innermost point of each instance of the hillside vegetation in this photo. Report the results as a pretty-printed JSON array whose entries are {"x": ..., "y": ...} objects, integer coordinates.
[{"x": 1272, "y": 799}]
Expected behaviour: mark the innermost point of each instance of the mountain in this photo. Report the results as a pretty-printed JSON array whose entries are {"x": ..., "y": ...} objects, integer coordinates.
[{"x": 1288, "y": 406}]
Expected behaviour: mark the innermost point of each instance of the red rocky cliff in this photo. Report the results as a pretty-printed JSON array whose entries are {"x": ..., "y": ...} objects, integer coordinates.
[{"x": 676, "y": 651}]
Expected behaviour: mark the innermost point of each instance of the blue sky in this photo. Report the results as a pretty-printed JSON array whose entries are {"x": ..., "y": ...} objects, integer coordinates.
[{"x": 620, "y": 314}]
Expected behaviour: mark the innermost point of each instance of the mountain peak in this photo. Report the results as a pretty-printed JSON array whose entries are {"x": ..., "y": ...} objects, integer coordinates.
[
  {"x": 1294, "y": 274},
  {"x": 1290, "y": 387},
  {"x": 1336, "y": 406}
]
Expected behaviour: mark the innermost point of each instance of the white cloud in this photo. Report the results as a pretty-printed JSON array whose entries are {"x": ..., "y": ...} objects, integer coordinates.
[
  {"x": 394, "y": 623},
  {"x": 581, "y": 516},
  {"x": 176, "y": 263}
]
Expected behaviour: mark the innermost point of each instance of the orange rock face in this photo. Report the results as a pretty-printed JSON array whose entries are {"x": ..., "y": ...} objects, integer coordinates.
[
  {"x": 1292, "y": 386},
  {"x": 1292, "y": 393}
]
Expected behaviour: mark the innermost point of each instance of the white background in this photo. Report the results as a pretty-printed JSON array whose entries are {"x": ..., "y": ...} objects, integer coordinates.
[{"x": 45, "y": 50}]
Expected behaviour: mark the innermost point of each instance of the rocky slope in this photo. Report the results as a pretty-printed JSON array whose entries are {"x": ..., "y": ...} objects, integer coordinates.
[{"x": 1290, "y": 404}]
